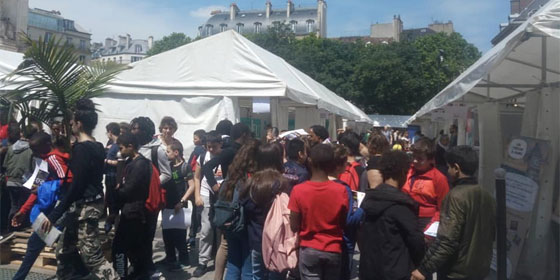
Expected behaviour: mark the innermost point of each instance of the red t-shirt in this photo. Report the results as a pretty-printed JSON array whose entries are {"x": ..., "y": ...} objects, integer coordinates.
[{"x": 323, "y": 207}]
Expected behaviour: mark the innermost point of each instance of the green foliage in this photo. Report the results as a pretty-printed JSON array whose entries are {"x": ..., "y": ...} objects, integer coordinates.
[
  {"x": 51, "y": 79},
  {"x": 395, "y": 78},
  {"x": 169, "y": 42}
]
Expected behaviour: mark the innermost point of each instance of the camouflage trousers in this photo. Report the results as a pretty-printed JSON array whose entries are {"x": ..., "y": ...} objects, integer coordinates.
[{"x": 79, "y": 244}]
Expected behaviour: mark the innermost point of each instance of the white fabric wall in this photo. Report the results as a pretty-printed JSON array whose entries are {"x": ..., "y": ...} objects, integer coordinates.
[
  {"x": 191, "y": 113},
  {"x": 279, "y": 114},
  {"x": 306, "y": 117}
]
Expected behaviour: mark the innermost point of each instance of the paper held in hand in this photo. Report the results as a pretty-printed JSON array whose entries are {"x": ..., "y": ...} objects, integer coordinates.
[
  {"x": 181, "y": 220},
  {"x": 40, "y": 174},
  {"x": 48, "y": 237},
  {"x": 432, "y": 230}
]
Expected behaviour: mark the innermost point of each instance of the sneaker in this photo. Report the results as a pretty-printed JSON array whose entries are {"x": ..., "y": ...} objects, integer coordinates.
[{"x": 199, "y": 271}]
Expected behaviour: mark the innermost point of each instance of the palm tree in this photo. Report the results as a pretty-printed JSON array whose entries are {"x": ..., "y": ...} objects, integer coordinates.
[{"x": 51, "y": 80}]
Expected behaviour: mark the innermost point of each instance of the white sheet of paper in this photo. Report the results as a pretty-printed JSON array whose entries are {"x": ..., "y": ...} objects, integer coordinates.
[
  {"x": 170, "y": 220},
  {"x": 48, "y": 237},
  {"x": 293, "y": 133},
  {"x": 40, "y": 166},
  {"x": 360, "y": 197},
  {"x": 432, "y": 230}
]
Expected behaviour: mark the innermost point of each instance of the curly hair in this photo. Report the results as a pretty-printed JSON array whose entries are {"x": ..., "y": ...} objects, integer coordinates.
[
  {"x": 244, "y": 162},
  {"x": 146, "y": 129},
  {"x": 394, "y": 165},
  {"x": 84, "y": 112}
]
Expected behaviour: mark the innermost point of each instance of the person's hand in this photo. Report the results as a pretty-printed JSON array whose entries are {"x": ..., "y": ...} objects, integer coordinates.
[
  {"x": 17, "y": 220},
  {"x": 416, "y": 275},
  {"x": 178, "y": 207},
  {"x": 216, "y": 188},
  {"x": 198, "y": 202},
  {"x": 46, "y": 226}
]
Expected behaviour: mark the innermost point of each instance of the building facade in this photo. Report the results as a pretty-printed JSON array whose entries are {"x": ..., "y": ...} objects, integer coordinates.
[
  {"x": 51, "y": 25},
  {"x": 13, "y": 19},
  {"x": 388, "y": 32},
  {"x": 302, "y": 20},
  {"x": 124, "y": 50},
  {"x": 520, "y": 10}
]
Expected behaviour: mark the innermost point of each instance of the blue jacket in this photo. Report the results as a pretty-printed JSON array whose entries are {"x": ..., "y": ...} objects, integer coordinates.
[{"x": 353, "y": 220}]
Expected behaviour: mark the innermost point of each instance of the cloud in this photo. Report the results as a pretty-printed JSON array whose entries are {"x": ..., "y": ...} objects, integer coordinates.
[{"x": 204, "y": 12}]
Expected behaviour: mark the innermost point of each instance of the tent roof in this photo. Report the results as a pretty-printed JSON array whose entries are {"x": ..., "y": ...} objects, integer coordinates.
[
  {"x": 511, "y": 68},
  {"x": 9, "y": 61},
  {"x": 227, "y": 64}
]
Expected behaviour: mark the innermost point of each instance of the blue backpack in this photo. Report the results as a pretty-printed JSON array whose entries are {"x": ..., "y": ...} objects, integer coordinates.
[{"x": 47, "y": 195}]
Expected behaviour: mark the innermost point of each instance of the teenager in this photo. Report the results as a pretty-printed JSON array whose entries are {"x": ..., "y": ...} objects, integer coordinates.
[
  {"x": 199, "y": 141},
  {"x": 167, "y": 128},
  {"x": 295, "y": 169},
  {"x": 257, "y": 200},
  {"x": 132, "y": 235},
  {"x": 113, "y": 131},
  {"x": 391, "y": 243},
  {"x": 83, "y": 204},
  {"x": 377, "y": 145},
  {"x": 318, "y": 213},
  {"x": 353, "y": 171},
  {"x": 318, "y": 134},
  {"x": 425, "y": 183},
  {"x": 204, "y": 195},
  {"x": 463, "y": 246}
]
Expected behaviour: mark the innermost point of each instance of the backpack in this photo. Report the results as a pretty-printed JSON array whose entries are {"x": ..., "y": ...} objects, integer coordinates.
[
  {"x": 229, "y": 216},
  {"x": 350, "y": 176},
  {"x": 156, "y": 197},
  {"x": 279, "y": 242}
]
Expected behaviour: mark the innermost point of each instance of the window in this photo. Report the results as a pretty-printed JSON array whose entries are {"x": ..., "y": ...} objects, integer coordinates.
[
  {"x": 200, "y": 31},
  {"x": 310, "y": 24},
  {"x": 120, "y": 59},
  {"x": 293, "y": 25},
  {"x": 209, "y": 29},
  {"x": 137, "y": 48},
  {"x": 258, "y": 27},
  {"x": 239, "y": 27},
  {"x": 83, "y": 44},
  {"x": 48, "y": 36},
  {"x": 69, "y": 40},
  {"x": 223, "y": 27},
  {"x": 82, "y": 58},
  {"x": 135, "y": 58}
]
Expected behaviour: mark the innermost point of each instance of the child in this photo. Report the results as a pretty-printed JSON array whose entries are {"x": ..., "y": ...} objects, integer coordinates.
[
  {"x": 41, "y": 145},
  {"x": 425, "y": 184},
  {"x": 294, "y": 169},
  {"x": 354, "y": 216},
  {"x": 199, "y": 141},
  {"x": 204, "y": 195},
  {"x": 111, "y": 162},
  {"x": 132, "y": 236},
  {"x": 318, "y": 212},
  {"x": 391, "y": 244},
  {"x": 176, "y": 239}
]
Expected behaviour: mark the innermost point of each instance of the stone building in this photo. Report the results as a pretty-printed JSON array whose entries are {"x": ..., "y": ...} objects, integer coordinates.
[
  {"x": 13, "y": 19},
  {"x": 388, "y": 32},
  {"x": 124, "y": 50},
  {"x": 302, "y": 20},
  {"x": 50, "y": 24}
]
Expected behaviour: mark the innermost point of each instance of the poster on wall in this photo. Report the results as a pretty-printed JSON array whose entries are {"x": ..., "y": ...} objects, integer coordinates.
[{"x": 524, "y": 158}]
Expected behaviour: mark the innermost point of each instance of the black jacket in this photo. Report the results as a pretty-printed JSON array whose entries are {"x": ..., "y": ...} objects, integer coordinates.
[
  {"x": 392, "y": 245},
  {"x": 135, "y": 188}
]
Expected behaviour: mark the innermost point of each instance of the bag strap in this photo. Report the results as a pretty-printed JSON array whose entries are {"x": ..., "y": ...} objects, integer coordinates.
[{"x": 154, "y": 156}]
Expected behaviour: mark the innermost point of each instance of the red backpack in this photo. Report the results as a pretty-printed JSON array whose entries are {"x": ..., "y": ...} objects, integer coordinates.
[
  {"x": 156, "y": 197},
  {"x": 350, "y": 176}
]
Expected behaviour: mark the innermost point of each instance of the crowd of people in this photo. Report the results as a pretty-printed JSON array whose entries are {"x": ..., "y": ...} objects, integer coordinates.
[{"x": 297, "y": 207}]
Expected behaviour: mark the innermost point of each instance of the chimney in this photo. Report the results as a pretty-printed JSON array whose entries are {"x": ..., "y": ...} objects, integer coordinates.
[
  {"x": 290, "y": 8},
  {"x": 108, "y": 42},
  {"x": 128, "y": 41},
  {"x": 268, "y": 9},
  {"x": 233, "y": 10},
  {"x": 150, "y": 42}
]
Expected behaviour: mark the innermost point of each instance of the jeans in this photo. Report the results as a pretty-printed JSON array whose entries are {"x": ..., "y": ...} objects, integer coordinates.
[
  {"x": 259, "y": 269},
  {"x": 238, "y": 257},
  {"x": 34, "y": 247},
  {"x": 318, "y": 265},
  {"x": 347, "y": 262}
]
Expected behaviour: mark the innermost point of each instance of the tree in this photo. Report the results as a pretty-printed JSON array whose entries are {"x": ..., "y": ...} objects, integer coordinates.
[
  {"x": 51, "y": 80},
  {"x": 169, "y": 42}
]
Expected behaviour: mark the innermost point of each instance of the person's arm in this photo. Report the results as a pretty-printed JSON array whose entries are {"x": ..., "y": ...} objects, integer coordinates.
[
  {"x": 197, "y": 178},
  {"x": 79, "y": 167},
  {"x": 448, "y": 237},
  {"x": 408, "y": 227},
  {"x": 222, "y": 159},
  {"x": 190, "y": 190},
  {"x": 295, "y": 221},
  {"x": 164, "y": 166}
]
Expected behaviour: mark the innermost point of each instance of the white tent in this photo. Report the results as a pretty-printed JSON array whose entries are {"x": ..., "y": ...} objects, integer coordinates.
[
  {"x": 520, "y": 75},
  {"x": 207, "y": 79}
]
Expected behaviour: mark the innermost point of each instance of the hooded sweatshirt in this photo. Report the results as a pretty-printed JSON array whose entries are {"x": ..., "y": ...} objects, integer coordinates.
[
  {"x": 392, "y": 243},
  {"x": 162, "y": 160},
  {"x": 18, "y": 163}
]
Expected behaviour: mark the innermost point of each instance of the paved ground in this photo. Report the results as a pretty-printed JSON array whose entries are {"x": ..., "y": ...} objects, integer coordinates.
[{"x": 7, "y": 271}]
